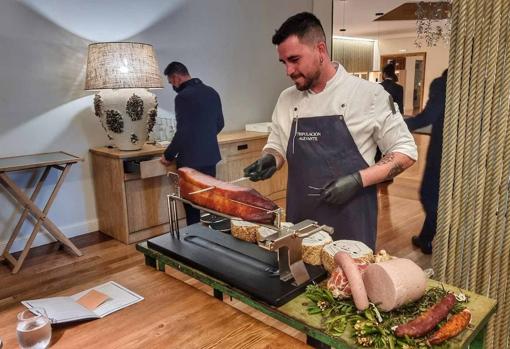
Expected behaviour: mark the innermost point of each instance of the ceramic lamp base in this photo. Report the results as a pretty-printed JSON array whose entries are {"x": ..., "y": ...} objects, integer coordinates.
[{"x": 127, "y": 115}]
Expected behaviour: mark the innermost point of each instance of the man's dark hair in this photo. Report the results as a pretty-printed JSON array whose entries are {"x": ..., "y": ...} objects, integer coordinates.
[
  {"x": 303, "y": 25},
  {"x": 176, "y": 68},
  {"x": 389, "y": 71}
]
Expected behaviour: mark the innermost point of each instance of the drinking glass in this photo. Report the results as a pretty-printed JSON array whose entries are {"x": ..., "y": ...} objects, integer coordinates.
[{"x": 33, "y": 329}]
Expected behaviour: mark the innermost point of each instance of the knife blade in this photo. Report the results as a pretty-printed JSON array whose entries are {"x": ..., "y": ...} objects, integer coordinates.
[
  {"x": 253, "y": 206},
  {"x": 239, "y": 180},
  {"x": 210, "y": 188},
  {"x": 201, "y": 190}
]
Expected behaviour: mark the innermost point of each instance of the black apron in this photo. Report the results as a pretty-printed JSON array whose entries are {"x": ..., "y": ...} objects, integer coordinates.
[{"x": 320, "y": 150}]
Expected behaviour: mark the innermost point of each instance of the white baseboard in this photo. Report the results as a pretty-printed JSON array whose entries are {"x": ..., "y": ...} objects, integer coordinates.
[{"x": 44, "y": 238}]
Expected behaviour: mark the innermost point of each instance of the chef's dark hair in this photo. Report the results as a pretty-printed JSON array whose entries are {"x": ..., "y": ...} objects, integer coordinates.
[
  {"x": 176, "y": 68},
  {"x": 303, "y": 25}
]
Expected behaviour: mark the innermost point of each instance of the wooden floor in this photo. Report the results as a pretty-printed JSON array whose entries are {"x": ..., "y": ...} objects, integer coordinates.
[
  {"x": 48, "y": 271},
  {"x": 399, "y": 219}
]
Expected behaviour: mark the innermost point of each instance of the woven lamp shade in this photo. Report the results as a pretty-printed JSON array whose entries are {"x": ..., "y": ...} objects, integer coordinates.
[{"x": 112, "y": 65}]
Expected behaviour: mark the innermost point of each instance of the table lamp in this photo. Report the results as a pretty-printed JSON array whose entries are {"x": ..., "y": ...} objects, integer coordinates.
[{"x": 123, "y": 72}]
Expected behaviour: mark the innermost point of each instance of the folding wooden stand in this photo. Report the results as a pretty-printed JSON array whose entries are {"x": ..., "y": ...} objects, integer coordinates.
[{"x": 58, "y": 160}]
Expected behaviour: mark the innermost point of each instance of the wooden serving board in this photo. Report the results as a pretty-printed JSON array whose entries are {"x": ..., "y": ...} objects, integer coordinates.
[
  {"x": 294, "y": 313},
  {"x": 481, "y": 309}
]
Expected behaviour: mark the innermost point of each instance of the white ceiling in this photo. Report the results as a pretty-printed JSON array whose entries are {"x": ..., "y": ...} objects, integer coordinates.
[{"x": 360, "y": 15}]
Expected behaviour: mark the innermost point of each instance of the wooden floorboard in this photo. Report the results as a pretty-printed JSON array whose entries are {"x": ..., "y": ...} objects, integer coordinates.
[{"x": 50, "y": 270}]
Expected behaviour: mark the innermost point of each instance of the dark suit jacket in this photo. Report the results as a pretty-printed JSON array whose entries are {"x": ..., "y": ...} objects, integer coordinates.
[
  {"x": 432, "y": 114},
  {"x": 396, "y": 91},
  {"x": 199, "y": 119}
]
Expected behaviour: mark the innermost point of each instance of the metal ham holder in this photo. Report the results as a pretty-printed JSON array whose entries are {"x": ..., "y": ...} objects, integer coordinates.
[{"x": 286, "y": 241}]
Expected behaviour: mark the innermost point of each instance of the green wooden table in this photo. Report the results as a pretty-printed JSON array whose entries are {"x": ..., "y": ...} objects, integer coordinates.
[{"x": 295, "y": 315}]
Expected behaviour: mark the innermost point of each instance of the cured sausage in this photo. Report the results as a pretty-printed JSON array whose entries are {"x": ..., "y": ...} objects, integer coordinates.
[
  {"x": 230, "y": 199},
  {"x": 426, "y": 321},
  {"x": 350, "y": 268},
  {"x": 455, "y": 325}
]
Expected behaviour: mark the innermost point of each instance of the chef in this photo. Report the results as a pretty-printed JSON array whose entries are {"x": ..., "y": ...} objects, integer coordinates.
[{"x": 327, "y": 127}]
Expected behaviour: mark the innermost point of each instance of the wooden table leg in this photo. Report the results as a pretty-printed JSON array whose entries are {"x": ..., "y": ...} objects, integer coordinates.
[
  {"x": 46, "y": 222},
  {"x": 477, "y": 343},
  {"x": 316, "y": 343},
  {"x": 26, "y": 211},
  {"x": 149, "y": 261},
  {"x": 37, "y": 226},
  {"x": 40, "y": 216},
  {"x": 218, "y": 294}
]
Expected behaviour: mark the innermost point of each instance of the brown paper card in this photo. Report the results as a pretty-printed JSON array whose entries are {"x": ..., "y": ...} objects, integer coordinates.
[{"x": 92, "y": 299}]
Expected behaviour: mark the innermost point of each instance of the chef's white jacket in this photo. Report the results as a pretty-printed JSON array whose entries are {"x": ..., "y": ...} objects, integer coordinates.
[{"x": 367, "y": 112}]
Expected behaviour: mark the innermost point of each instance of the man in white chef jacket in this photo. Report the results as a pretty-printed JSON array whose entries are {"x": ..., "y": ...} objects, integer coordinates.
[{"x": 327, "y": 127}]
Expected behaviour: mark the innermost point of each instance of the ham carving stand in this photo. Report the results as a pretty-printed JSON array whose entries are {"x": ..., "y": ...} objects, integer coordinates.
[{"x": 272, "y": 270}]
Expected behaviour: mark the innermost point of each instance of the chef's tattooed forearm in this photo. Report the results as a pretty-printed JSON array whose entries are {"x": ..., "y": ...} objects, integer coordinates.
[
  {"x": 395, "y": 169},
  {"x": 387, "y": 159}
]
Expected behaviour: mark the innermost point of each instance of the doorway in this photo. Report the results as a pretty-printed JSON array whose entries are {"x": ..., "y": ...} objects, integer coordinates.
[{"x": 410, "y": 69}]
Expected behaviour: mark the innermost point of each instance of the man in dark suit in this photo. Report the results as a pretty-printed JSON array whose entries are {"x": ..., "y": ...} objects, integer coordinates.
[
  {"x": 432, "y": 114},
  {"x": 395, "y": 90},
  {"x": 199, "y": 119}
]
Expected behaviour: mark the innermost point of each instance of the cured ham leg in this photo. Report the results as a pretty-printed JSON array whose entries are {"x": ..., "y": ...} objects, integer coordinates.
[{"x": 233, "y": 200}]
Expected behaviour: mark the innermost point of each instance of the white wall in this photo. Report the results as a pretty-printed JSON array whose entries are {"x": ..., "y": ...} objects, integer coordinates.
[
  {"x": 323, "y": 10},
  {"x": 226, "y": 43},
  {"x": 437, "y": 57}
]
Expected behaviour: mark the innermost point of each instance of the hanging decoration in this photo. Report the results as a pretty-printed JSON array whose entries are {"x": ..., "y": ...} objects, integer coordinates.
[{"x": 433, "y": 23}]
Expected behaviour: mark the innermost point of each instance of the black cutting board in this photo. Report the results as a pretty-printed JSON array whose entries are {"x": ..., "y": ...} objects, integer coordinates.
[{"x": 240, "y": 264}]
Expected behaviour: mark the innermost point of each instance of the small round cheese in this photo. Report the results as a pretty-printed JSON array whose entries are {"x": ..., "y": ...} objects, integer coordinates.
[
  {"x": 356, "y": 249},
  {"x": 252, "y": 232},
  {"x": 244, "y": 230},
  {"x": 312, "y": 247}
]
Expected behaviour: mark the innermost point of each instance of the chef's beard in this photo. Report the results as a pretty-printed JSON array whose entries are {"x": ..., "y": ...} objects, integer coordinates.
[{"x": 309, "y": 81}]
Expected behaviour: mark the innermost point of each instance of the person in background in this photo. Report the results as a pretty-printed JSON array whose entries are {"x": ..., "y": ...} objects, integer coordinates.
[
  {"x": 327, "y": 127},
  {"x": 396, "y": 92},
  {"x": 199, "y": 120},
  {"x": 389, "y": 83},
  {"x": 432, "y": 114}
]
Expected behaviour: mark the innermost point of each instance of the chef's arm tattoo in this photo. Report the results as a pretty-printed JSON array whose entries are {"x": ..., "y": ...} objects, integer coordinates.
[
  {"x": 392, "y": 164},
  {"x": 396, "y": 167}
]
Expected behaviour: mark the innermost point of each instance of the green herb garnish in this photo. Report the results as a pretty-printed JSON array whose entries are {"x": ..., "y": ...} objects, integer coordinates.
[{"x": 372, "y": 328}]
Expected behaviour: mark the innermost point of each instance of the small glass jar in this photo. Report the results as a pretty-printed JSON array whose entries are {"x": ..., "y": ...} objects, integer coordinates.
[{"x": 33, "y": 329}]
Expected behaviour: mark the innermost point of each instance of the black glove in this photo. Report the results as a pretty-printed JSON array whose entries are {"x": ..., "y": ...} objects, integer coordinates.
[
  {"x": 341, "y": 190},
  {"x": 261, "y": 169}
]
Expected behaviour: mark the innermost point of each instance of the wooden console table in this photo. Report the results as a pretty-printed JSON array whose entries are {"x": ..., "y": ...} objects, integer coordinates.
[
  {"x": 58, "y": 160},
  {"x": 294, "y": 313},
  {"x": 131, "y": 187}
]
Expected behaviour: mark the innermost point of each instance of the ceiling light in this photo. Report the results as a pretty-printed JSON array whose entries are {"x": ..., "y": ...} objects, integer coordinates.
[{"x": 352, "y": 38}]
